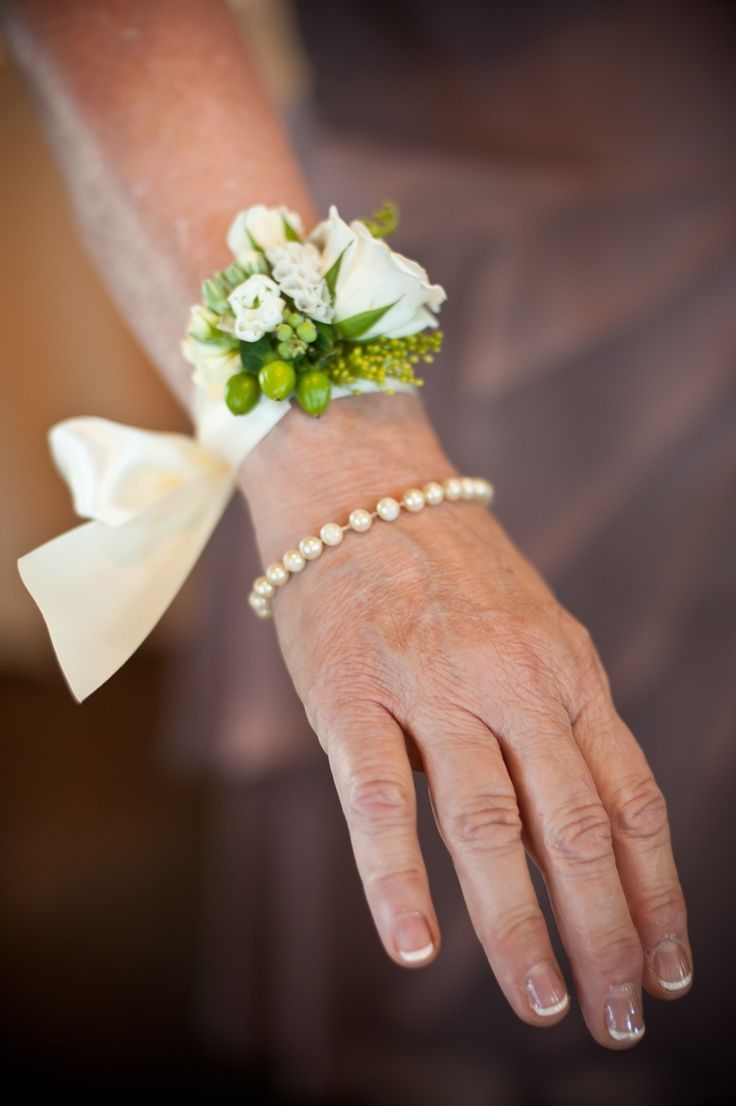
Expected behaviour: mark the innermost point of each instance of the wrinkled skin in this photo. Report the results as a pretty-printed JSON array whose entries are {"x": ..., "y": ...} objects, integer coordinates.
[{"x": 431, "y": 643}]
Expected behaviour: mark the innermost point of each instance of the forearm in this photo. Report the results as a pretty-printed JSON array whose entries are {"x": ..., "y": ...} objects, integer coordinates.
[{"x": 163, "y": 131}]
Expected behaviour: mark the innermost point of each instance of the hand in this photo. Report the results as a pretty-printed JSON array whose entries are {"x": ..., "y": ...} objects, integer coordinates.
[{"x": 430, "y": 643}]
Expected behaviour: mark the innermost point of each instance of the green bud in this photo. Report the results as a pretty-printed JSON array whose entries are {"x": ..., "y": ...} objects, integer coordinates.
[
  {"x": 284, "y": 350},
  {"x": 255, "y": 263},
  {"x": 234, "y": 275},
  {"x": 284, "y": 332},
  {"x": 203, "y": 324},
  {"x": 307, "y": 331},
  {"x": 214, "y": 297},
  {"x": 277, "y": 379},
  {"x": 242, "y": 393},
  {"x": 294, "y": 320},
  {"x": 313, "y": 392}
]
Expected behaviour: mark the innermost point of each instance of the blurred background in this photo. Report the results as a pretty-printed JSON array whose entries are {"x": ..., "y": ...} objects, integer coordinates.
[{"x": 179, "y": 905}]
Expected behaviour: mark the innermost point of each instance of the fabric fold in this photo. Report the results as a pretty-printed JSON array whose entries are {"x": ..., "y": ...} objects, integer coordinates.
[{"x": 153, "y": 500}]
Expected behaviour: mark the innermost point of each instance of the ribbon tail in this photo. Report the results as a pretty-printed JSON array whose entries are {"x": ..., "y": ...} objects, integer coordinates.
[{"x": 101, "y": 589}]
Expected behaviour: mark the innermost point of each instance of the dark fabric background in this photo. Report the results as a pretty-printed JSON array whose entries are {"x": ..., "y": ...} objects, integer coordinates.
[{"x": 567, "y": 171}]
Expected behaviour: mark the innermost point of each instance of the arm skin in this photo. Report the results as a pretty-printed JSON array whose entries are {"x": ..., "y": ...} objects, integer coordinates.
[{"x": 432, "y": 643}]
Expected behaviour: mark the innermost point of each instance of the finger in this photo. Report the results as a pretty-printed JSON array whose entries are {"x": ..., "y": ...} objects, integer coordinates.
[
  {"x": 477, "y": 814},
  {"x": 641, "y": 840},
  {"x": 571, "y": 832},
  {"x": 374, "y": 782}
]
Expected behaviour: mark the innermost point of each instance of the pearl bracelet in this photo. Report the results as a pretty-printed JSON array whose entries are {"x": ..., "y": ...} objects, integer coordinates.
[{"x": 388, "y": 509}]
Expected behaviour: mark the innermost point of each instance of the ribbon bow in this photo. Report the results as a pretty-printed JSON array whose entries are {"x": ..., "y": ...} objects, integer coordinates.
[{"x": 153, "y": 500}]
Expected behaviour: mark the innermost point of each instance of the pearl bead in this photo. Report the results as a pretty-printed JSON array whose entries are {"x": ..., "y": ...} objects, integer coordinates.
[
  {"x": 264, "y": 612},
  {"x": 293, "y": 560},
  {"x": 433, "y": 493},
  {"x": 258, "y": 602},
  {"x": 413, "y": 499},
  {"x": 331, "y": 533},
  {"x": 483, "y": 489},
  {"x": 468, "y": 487},
  {"x": 453, "y": 488},
  {"x": 360, "y": 520},
  {"x": 310, "y": 548},
  {"x": 262, "y": 586},
  {"x": 388, "y": 508},
  {"x": 276, "y": 574}
]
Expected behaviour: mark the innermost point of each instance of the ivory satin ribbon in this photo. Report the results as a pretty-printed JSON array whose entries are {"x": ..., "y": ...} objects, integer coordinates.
[{"x": 153, "y": 500}]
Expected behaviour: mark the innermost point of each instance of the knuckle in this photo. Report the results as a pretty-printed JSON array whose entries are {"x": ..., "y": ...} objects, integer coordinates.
[
  {"x": 488, "y": 822},
  {"x": 586, "y": 677},
  {"x": 663, "y": 911},
  {"x": 521, "y": 927},
  {"x": 386, "y": 884},
  {"x": 377, "y": 801},
  {"x": 640, "y": 811},
  {"x": 533, "y": 670},
  {"x": 618, "y": 952},
  {"x": 580, "y": 834}
]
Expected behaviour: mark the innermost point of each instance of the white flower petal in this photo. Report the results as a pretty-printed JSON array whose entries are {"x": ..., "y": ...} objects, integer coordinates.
[
  {"x": 372, "y": 275},
  {"x": 257, "y": 306},
  {"x": 259, "y": 227}
]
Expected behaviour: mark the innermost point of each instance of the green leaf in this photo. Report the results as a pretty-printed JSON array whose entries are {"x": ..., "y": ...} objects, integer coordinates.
[
  {"x": 352, "y": 328},
  {"x": 333, "y": 273},
  {"x": 256, "y": 354},
  {"x": 325, "y": 337},
  {"x": 291, "y": 234}
]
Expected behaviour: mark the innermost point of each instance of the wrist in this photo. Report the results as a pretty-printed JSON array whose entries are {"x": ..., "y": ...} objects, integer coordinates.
[{"x": 309, "y": 471}]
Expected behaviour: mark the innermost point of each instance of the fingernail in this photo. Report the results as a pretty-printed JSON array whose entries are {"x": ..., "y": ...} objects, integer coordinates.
[
  {"x": 624, "y": 1012},
  {"x": 413, "y": 938},
  {"x": 671, "y": 965},
  {"x": 547, "y": 993}
]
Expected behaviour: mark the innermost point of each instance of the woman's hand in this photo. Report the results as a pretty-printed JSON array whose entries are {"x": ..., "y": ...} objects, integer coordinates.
[{"x": 431, "y": 643}]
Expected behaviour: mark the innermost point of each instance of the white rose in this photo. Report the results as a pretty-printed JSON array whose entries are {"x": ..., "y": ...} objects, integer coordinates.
[
  {"x": 372, "y": 277},
  {"x": 259, "y": 227},
  {"x": 257, "y": 306},
  {"x": 212, "y": 367},
  {"x": 296, "y": 268}
]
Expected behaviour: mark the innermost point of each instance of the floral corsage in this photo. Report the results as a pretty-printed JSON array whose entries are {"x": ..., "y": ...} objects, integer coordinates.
[{"x": 293, "y": 316}]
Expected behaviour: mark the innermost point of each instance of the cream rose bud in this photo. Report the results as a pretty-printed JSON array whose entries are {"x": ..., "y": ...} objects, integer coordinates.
[
  {"x": 260, "y": 227},
  {"x": 212, "y": 367},
  {"x": 257, "y": 307},
  {"x": 372, "y": 276}
]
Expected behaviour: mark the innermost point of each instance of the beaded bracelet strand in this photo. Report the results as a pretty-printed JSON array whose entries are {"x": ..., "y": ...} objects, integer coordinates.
[{"x": 387, "y": 509}]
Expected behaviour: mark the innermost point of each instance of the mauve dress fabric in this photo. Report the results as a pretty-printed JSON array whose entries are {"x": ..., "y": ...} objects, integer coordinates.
[{"x": 568, "y": 173}]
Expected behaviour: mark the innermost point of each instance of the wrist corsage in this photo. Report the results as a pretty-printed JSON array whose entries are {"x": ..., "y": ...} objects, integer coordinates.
[
  {"x": 294, "y": 316},
  {"x": 310, "y": 319}
]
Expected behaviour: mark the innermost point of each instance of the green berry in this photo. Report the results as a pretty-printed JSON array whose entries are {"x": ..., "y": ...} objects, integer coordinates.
[
  {"x": 277, "y": 379},
  {"x": 313, "y": 392},
  {"x": 307, "y": 331},
  {"x": 242, "y": 393}
]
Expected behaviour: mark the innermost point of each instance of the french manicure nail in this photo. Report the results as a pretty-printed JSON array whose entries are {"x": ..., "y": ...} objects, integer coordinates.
[
  {"x": 671, "y": 965},
  {"x": 413, "y": 938},
  {"x": 624, "y": 1012},
  {"x": 546, "y": 991}
]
